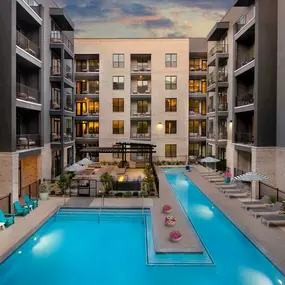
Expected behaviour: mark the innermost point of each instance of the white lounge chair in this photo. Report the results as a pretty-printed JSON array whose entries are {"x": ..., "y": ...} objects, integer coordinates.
[
  {"x": 275, "y": 220},
  {"x": 237, "y": 194},
  {"x": 262, "y": 203},
  {"x": 273, "y": 210}
]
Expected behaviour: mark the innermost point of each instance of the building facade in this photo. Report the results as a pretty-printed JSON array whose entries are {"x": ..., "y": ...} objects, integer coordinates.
[
  {"x": 141, "y": 89},
  {"x": 34, "y": 58}
]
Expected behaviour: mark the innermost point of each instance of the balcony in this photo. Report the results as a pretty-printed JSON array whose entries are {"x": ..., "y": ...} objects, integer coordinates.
[
  {"x": 223, "y": 135},
  {"x": 223, "y": 107},
  {"x": 68, "y": 73},
  {"x": 28, "y": 141},
  {"x": 57, "y": 37},
  {"x": 211, "y": 109},
  {"x": 197, "y": 68},
  {"x": 90, "y": 68},
  {"x": 68, "y": 136},
  {"x": 220, "y": 49},
  {"x": 246, "y": 58},
  {"x": 68, "y": 106},
  {"x": 55, "y": 137},
  {"x": 55, "y": 71},
  {"x": 195, "y": 114},
  {"x": 244, "y": 20},
  {"x": 211, "y": 135},
  {"x": 197, "y": 136},
  {"x": 28, "y": 94},
  {"x": 139, "y": 114},
  {"x": 34, "y": 5},
  {"x": 141, "y": 92},
  {"x": 27, "y": 45},
  {"x": 138, "y": 136},
  {"x": 55, "y": 104},
  {"x": 244, "y": 138},
  {"x": 244, "y": 99}
]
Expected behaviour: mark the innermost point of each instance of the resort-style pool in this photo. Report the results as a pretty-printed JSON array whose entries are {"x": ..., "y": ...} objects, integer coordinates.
[{"x": 73, "y": 248}]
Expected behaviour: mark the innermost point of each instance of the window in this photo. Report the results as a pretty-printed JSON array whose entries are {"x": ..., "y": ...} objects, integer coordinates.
[
  {"x": 118, "y": 104},
  {"x": 142, "y": 63},
  {"x": 118, "y": 82},
  {"x": 81, "y": 129},
  {"x": 194, "y": 106},
  {"x": 203, "y": 128},
  {"x": 93, "y": 86},
  {"x": 93, "y": 107},
  {"x": 193, "y": 127},
  {"x": 142, "y": 86},
  {"x": 68, "y": 127},
  {"x": 194, "y": 86},
  {"x": 204, "y": 86},
  {"x": 170, "y": 105},
  {"x": 81, "y": 109},
  {"x": 194, "y": 149},
  {"x": 204, "y": 64},
  {"x": 142, "y": 106},
  {"x": 171, "y": 60},
  {"x": 203, "y": 107},
  {"x": 93, "y": 128},
  {"x": 170, "y": 82},
  {"x": 195, "y": 64},
  {"x": 142, "y": 127},
  {"x": 170, "y": 150},
  {"x": 93, "y": 65},
  {"x": 55, "y": 129},
  {"x": 81, "y": 87},
  {"x": 81, "y": 65},
  {"x": 69, "y": 156},
  {"x": 118, "y": 127},
  {"x": 170, "y": 127},
  {"x": 118, "y": 60}
]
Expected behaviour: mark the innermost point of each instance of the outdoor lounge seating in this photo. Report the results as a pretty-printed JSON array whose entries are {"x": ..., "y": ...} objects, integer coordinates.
[
  {"x": 21, "y": 209},
  {"x": 231, "y": 190},
  {"x": 226, "y": 186},
  {"x": 238, "y": 194},
  {"x": 274, "y": 220},
  {"x": 216, "y": 179},
  {"x": 205, "y": 174},
  {"x": 262, "y": 203},
  {"x": 271, "y": 210},
  {"x": 6, "y": 219},
  {"x": 31, "y": 202}
]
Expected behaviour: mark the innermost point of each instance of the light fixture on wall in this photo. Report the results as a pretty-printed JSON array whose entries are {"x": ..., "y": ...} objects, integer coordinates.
[{"x": 159, "y": 125}]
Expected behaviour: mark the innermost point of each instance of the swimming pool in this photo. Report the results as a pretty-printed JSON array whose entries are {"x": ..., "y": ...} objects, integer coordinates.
[{"x": 73, "y": 248}]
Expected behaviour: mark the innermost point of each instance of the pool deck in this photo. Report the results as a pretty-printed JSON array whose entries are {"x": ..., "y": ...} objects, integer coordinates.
[{"x": 270, "y": 241}]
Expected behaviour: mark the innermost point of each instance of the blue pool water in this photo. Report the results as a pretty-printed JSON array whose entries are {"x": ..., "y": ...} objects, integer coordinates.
[{"x": 73, "y": 248}]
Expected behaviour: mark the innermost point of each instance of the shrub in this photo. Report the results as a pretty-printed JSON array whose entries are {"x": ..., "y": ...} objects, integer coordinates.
[
  {"x": 136, "y": 194},
  {"x": 107, "y": 181},
  {"x": 127, "y": 194},
  {"x": 272, "y": 199},
  {"x": 144, "y": 194},
  {"x": 119, "y": 194}
]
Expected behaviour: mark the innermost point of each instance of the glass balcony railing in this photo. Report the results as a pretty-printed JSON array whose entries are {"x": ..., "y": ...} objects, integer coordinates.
[
  {"x": 57, "y": 37},
  {"x": 223, "y": 106},
  {"x": 26, "y": 141},
  {"x": 26, "y": 93},
  {"x": 94, "y": 135},
  {"x": 197, "y": 68},
  {"x": 27, "y": 45},
  {"x": 34, "y": 5},
  {"x": 210, "y": 135},
  {"x": 68, "y": 136},
  {"x": 219, "y": 48},
  {"x": 55, "y": 104},
  {"x": 244, "y": 138},
  {"x": 244, "y": 19},
  {"x": 68, "y": 72},
  {"x": 143, "y": 113},
  {"x": 246, "y": 58},
  {"x": 244, "y": 99},
  {"x": 223, "y": 135},
  {"x": 211, "y": 109},
  {"x": 140, "y": 136},
  {"x": 55, "y": 137}
]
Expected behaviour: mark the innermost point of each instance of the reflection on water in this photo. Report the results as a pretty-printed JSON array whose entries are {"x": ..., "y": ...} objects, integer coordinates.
[{"x": 203, "y": 211}]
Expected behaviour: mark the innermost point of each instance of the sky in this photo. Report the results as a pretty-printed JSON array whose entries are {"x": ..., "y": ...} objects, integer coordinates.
[{"x": 147, "y": 18}]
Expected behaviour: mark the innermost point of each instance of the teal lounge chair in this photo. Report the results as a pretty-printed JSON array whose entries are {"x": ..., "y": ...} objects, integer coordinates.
[
  {"x": 8, "y": 219},
  {"x": 21, "y": 209},
  {"x": 31, "y": 202}
]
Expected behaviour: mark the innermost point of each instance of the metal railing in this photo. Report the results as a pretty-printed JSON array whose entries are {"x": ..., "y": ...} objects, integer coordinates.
[
  {"x": 212, "y": 78},
  {"x": 26, "y": 93},
  {"x": 246, "y": 58},
  {"x": 55, "y": 137},
  {"x": 55, "y": 70},
  {"x": 68, "y": 137},
  {"x": 26, "y": 141},
  {"x": 32, "y": 190},
  {"x": 68, "y": 72},
  {"x": 223, "y": 107},
  {"x": 57, "y": 37},
  {"x": 34, "y": 5},
  {"x": 141, "y": 136},
  {"x": 223, "y": 135},
  {"x": 55, "y": 104},
  {"x": 144, "y": 90},
  {"x": 244, "y": 99},
  {"x": 89, "y": 136},
  {"x": 244, "y": 138},
  {"x": 68, "y": 106},
  {"x": 219, "y": 48},
  {"x": 27, "y": 45},
  {"x": 244, "y": 19},
  {"x": 211, "y": 136},
  {"x": 197, "y": 135},
  {"x": 141, "y": 67},
  {"x": 268, "y": 190},
  {"x": 5, "y": 203},
  {"x": 91, "y": 68},
  {"x": 196, "y": 68},
  {"x": 143, "y": 114},
  {"x": 211, "y": 109},
  {"x": 197, "y": 90},
  {"x": 223, "y": 76}
]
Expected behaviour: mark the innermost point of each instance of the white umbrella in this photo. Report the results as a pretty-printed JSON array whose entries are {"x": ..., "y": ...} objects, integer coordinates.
[
  {"x": 251, "y": 177},
  {"x": 210, "y": 159},
  {"x": 85, "y": 161},
  {"x": 74, "y": 168}
]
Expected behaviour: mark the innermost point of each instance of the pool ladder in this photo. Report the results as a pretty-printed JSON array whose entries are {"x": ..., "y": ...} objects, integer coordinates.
[
  {"x": 101, "y": 205},
  {"x": 142, "y": 209}
]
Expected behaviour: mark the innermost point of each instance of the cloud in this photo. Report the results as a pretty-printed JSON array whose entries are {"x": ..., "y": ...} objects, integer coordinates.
[
  {"x": 176, "y": 35},
  {"x": 161, "y": 23}
]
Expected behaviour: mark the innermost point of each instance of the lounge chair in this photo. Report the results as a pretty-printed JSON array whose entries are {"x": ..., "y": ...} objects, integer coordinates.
[
  {"x": 238, "y": 194},
  {"x": 215, "y": 179},
  {"x": 227, "y": 186},
  {"x": 271, "y": 210},
  {"x": 31, "y": 202},
  {"x": 21, "y": 209},
  {"x": 231, "y": 190},
  {"x": 7, "y": 219},
  {"x": 211, "y": 173},
  {"x": 275, "y": 220},
  {"x": 262, "y": 203}
]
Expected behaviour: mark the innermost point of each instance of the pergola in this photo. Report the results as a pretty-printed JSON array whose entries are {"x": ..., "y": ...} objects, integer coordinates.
[{"x": 124, "y": 147}]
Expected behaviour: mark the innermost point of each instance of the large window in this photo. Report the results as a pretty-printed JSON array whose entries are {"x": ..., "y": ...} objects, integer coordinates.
[
  {"x": 170, "y": 127},
  {"x": 118, "y": 60},
  {"x": 81, "y": 65},
  {"x": 81, "y": 129},
  {"x": 195, "y": 64},
  {"x": 170, "y": 82},
  {"x": 170, "y": 60},
  {"x": 93, "y": 127},
  {"x": 142, "y": 86},
  {"x": 55, "y": 129},
  {"x": 81, "y": 109},
  {"x": 81, "y": 87},
  {"x": 93, "y": 107},
  {"x": 193, "y": 127},
  {"x": 142, "y": 127},
  {"x": 170, "y": 150},
  {"x": 118, "y": 82},
  {"x": 118, "y": 127},
  {"x": 194, "y": 106},
  {"x": 142, "y": 106},
  {"x": 118, "y": 104},
  {"x": 204, "y": 86},
  {"x": 93, "y": 86},
  {"x": 194, "y": 149},
  {"x": 170, "y": 105},
  {"x": 194, "y": 86}
]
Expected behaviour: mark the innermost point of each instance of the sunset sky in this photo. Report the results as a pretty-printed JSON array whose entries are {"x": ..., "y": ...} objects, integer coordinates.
[{"x": 148, "y": 18}]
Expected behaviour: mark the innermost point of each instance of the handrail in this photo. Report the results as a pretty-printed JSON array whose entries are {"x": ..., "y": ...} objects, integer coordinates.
[{"x": 101, "y": 205}]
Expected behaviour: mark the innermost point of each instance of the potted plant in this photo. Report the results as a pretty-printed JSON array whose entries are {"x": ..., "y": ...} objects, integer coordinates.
[
  {"x": 170, "y": 221},
  {"x": 166, "y": 209},
  {"x": 227, "y": 177},
  {"x": 175, "y": 236},
  {"x": 44, "y": 191}
]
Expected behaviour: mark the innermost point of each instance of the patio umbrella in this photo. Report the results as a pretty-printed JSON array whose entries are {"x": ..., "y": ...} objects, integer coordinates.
[
  {"x": 251, "y": 177},
  {"x": 74, "y": 168},
  {"x": 85, "y": 161},
  {"x": 209, "y": 159}
]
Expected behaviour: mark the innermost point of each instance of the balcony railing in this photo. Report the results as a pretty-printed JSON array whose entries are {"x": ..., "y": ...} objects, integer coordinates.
[
  {"x": 141, "y": 91},
  {"x": 244, "y": 138},
  {"x": 211, "y": 109},
  {"x": 89, "y": 136},
  {"x": 212, "y": 79},
  {"x": 223, "y": 107},
  {"x": 57, "y": 37},
  {"x": 223, "y": 135},
  {"x": 55, "y": 104},
  {"x": 195, "y": 112},
  {"x": 91, "y": 68},
  {"x": 197, "y": 68},
  {"x": 89, "y": 113},
  {"x": 91, "y": 90},
  {"x": 137, "y": 113},
  {"x": 55, "y": 70},
  {"x": 246, "y": 58},
  {"x": 197, "y": 90},
  {"x": 68, "y": 137},
  {"x": 141, "y": 68},
  {"x": 26, "y": 141},
  {"x": 223, "y": 76},
  {"x": 27, "y": 45},
  {"x": 55, "y": 137},
  {"x": 220, "y": 48},
  {"x": 197, "y": 135},
  {"x": 68, "y": 106},
  {"x": 140, "y": 136},
  {"x": 68, "y": 72},
  {"x": 34, "y": 5},
  {"x": 244, "y": 19},
  {"x": 244, "y": 99},
  {"x": 26, "y": 93},
  {"x": 211, "y": 135}
]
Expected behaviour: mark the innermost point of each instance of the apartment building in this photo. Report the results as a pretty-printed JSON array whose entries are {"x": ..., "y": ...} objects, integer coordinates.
[
  {"x": 245, "y": 84},
  {"x": 141, "y": 89},
  {"x": 34, "y": 55}
]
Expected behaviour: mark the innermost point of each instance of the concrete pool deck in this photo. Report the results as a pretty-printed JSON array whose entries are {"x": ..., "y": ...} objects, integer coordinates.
[{"x": 270, "y": 241}]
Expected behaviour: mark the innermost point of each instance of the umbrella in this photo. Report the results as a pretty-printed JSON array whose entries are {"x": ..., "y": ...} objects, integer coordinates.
[
  {"x": 74, "y": 168},
  {"x": 250, "y": 177},
  {"x": 210, "y": 159},
  {"x": 85, "y": 161}
]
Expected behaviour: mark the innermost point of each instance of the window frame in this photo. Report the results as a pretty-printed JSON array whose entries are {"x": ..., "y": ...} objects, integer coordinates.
[
  {"x": 118, "y": 63},
  {"x": 171, "y": 85},
  {"x": 168, "y": 105},
  {"x": 169, "y": 129},
  {"x": 116, "y": 107},
  {"x": 172, "y": 150},
  {"x": 171, "y": 62},
  {"x": 119, "y": 130},
  {"x": 117, "y": 85}
]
